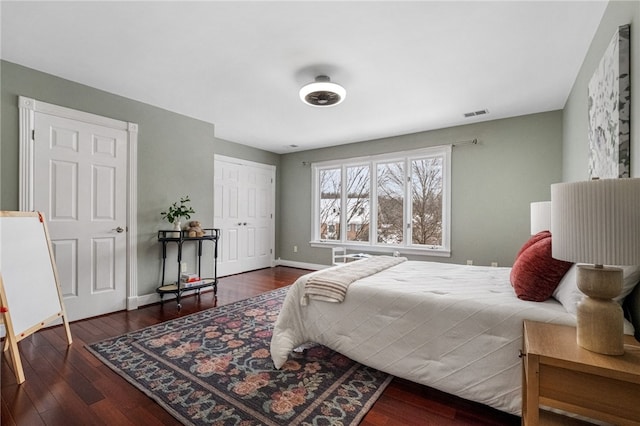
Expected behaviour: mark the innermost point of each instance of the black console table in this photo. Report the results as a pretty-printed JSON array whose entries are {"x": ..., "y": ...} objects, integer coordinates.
[{"x": 180, "y": 237}]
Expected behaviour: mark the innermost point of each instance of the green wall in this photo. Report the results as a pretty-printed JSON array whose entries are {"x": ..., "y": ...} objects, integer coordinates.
[
  {"x": 575, "y": 117},
  {"x": 493, "y": 184},
  {"x": 175, "y": 155}
]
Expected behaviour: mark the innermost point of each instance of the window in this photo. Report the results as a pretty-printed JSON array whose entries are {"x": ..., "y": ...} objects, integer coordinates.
[
  {"x": 329, "y": 189},
  {"x": 396, "y": 201},
  {"x": 357, "y": 186},
  {"x": 390, "y": 201}
]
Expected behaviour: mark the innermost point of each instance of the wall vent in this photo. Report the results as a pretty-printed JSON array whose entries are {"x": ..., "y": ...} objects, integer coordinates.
[{"x": 476, "y": 113}]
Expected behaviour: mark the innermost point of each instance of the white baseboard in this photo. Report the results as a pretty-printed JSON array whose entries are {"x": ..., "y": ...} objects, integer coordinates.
[
  {"x": 148, "y": 299},
  {"x": 301, "y": 265},
  {"x": 132, "y": 303}
]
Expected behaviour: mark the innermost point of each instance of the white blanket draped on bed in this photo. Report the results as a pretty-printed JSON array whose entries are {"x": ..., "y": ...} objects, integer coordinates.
[
  {"x": 452, "y": 327},
  {"x": 331, "y": 285}
]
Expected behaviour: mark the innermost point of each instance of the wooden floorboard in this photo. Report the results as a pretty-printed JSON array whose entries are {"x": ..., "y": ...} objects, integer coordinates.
[{"x": 69, "y": 386}]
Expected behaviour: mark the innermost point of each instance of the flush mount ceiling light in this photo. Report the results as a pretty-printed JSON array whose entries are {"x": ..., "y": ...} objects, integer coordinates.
[{"x": 322, "y": 92}]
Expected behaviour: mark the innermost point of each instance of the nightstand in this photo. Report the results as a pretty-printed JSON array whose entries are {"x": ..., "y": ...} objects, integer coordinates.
[{"x": 558, "y": 373}]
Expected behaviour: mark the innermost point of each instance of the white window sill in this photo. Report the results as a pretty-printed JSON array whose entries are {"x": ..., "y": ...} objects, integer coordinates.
[{"x": 388, "y": 249}]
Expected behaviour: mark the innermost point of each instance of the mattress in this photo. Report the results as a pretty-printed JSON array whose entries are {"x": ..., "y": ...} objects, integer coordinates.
[{"x": 456, "y": 328}]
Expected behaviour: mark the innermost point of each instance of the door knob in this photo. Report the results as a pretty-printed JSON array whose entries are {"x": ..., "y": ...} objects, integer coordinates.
[{"x": 119, "y": 229}]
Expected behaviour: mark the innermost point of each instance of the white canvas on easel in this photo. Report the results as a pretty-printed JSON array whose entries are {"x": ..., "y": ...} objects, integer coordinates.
[{"x": 30, "y": 295}]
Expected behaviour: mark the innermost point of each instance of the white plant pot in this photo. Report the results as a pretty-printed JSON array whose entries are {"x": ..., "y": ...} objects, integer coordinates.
[{"x": 176, "y": 227}]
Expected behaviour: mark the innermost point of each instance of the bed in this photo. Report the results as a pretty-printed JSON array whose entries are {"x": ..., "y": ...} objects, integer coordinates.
[{"x": 456, "y": 328}]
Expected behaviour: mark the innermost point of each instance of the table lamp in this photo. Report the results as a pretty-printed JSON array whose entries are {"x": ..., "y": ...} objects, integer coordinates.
[
  {"x": 597, "y": 222},
  {"x": 540, "y": 216}
]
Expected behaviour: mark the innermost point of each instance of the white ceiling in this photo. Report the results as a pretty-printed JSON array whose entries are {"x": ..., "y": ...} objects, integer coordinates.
[{"x": 407, "y": 66}]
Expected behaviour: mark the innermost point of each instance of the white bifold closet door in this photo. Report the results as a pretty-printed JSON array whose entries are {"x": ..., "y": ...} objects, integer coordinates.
[{"x": 244, "y": 205}]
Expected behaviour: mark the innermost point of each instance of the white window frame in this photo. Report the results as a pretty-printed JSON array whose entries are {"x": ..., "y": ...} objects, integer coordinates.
[{"x": 406, "y": 247}]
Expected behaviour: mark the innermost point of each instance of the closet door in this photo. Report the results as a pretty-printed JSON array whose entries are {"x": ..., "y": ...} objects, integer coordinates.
[{"x": 244, "y": 194}]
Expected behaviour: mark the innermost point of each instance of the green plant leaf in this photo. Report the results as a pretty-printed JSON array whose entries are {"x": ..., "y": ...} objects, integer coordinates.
[{"x": 177, "y": 210}]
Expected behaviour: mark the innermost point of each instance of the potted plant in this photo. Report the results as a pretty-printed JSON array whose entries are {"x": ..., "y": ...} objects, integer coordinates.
[{"x": 177, "y": 211}]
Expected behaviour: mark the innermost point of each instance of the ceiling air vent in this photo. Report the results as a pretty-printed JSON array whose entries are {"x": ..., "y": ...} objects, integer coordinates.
[{"x": 476, "y": 113}]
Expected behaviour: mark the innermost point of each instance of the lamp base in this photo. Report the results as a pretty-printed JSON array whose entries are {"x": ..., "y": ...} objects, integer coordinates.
[{"x": 600, "y": 319}]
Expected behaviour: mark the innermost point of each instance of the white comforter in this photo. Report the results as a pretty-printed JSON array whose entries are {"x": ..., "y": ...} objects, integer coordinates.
[{"x": 452, "y": 327}]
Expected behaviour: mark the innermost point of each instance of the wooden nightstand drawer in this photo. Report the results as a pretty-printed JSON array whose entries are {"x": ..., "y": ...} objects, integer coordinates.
[
  {"x": 571, "y": 389},
  {"x": 559, "y": 374}
]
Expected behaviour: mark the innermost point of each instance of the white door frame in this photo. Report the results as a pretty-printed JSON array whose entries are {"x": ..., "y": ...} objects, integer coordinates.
[
  {"x": 28, "y": 107},
  {"x": 273, "y": 169}
]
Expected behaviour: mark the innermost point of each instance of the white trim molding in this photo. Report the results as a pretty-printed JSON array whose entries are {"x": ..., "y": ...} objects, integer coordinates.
[
  {"x": 132, "y": 215},
  {"x": 27, "y": 109},
  {"x": 300, "y": 265}
]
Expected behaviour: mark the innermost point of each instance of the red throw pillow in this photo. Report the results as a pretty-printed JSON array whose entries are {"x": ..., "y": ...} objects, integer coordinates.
[
  {"x": 534, "y": 239},
  {"x": 535, "y": 274}
]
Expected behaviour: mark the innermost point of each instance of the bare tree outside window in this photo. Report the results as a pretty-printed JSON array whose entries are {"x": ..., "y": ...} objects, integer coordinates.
[
  {"x": 358, "y": 209},
  {"x": 426, "y": 201},
  {"x": 330, "y": 198},
  {"x": 390, "y": 202}
]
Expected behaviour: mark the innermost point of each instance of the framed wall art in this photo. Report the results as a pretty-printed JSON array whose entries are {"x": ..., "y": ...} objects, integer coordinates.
[{"x": 609, "y": 111}]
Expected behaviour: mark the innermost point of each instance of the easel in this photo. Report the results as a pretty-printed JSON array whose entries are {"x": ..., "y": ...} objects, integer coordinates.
[{"x": 30, "y": 294}]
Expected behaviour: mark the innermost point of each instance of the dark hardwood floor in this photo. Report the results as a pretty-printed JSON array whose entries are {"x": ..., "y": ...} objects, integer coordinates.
[{"x": 69, "y": 386}]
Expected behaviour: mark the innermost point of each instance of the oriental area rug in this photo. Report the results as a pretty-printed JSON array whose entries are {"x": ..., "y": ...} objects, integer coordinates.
[{"x": 214, "y": 367}]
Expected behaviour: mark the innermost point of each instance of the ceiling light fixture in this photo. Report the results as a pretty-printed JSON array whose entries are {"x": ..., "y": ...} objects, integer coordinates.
[{"x": 322, "y": 92}]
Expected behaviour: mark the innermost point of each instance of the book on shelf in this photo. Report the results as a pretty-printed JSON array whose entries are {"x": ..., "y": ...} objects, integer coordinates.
[
  {"x": 191, "y": 283},
  {"x": 187, "y": 277}
]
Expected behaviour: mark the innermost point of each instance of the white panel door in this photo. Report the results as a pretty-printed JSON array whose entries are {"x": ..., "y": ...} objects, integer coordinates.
[
  {"x": 226, "y": 206},
  {"x": 258, "y": 218},
  {"x": 243, "y": 210},
  {"x": 80, "y": 182}
]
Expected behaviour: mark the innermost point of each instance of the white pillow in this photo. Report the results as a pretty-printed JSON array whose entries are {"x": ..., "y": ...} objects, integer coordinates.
[
  {"x": 569, "y": 295},
  {"x": 567, "y": 291}
]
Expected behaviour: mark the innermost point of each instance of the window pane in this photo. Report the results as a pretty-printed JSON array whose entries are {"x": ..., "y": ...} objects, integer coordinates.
[
  {"x": 426, "y": 201},
  {"x": 358, "y": 208},
  {"x": 390, "y": 202},
  {"x": 330, "y": 195}
]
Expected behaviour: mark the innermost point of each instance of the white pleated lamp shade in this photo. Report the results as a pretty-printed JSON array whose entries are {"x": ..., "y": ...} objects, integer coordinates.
[
  {"x": 597, "y": 221},
  {"x": 540, "y": 217}
]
